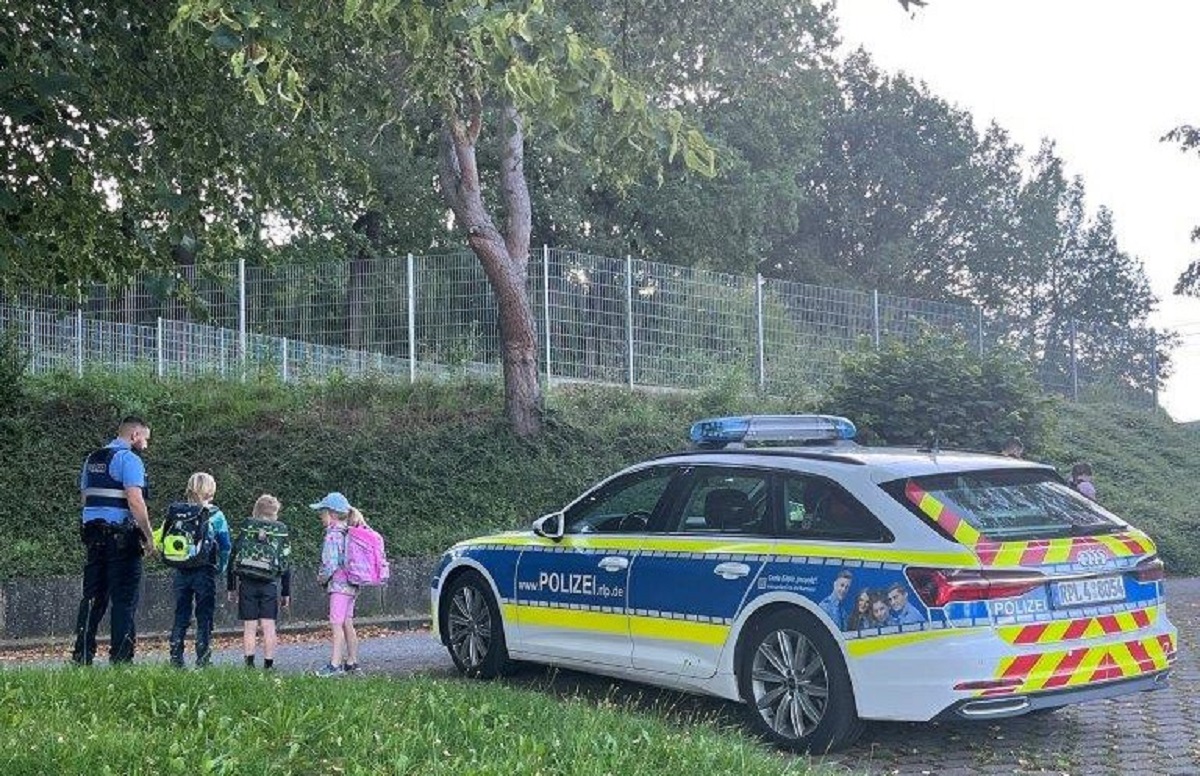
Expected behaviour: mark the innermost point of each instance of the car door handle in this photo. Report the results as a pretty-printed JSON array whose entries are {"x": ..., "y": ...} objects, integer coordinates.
[
  {"x": 614, "y": 563},
  {"x": 731, "y": 570}
]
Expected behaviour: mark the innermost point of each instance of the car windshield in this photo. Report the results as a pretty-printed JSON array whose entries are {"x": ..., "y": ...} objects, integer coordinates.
[{"x": 1008, "y": 504}]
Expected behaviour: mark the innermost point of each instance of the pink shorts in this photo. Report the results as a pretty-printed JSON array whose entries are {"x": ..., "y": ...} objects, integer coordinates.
[{"x": 341, "y": 607}]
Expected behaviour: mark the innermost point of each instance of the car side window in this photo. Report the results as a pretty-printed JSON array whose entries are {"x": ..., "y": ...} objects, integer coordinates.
[
  {"x": 623, "y": 505},
  {"x": 725, "y": 501},
  {"x": 816, "y": 508}
]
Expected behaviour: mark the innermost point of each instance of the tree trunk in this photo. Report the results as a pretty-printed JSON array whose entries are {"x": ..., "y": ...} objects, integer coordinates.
[
  {"x": 504, "y": 257},
  {"x": 369, "y": 225}
]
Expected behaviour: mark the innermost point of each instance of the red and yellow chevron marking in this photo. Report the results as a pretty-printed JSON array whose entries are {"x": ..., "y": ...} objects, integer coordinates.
[
  {"x": 1084, "y": 628},
  {"x": 1035, "y": 552},
  {"x": 1085, "y": 665}
]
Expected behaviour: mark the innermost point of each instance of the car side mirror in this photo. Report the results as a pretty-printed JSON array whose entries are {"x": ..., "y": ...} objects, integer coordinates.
[{"x": 550, "y": 526}]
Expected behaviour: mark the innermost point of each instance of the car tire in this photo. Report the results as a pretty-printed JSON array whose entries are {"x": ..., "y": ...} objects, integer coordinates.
[
  {"x": 794, "y": 682},
  {"x": 474, "y": 630}
]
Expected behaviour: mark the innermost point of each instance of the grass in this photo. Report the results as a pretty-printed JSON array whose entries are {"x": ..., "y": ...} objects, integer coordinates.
[{"x": 151, "y": 720}]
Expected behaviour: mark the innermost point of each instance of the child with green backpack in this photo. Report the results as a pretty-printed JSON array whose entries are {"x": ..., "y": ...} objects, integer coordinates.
[
  {"x": 260, "y": 576},
  {"x": 194, "y": 539}
]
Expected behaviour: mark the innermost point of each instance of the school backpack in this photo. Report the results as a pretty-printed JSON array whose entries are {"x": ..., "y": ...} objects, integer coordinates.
[
  {"x": 366, "y": 559},
  {"x": 263, "y": 550},
  {"x": 184, "y": 537}
]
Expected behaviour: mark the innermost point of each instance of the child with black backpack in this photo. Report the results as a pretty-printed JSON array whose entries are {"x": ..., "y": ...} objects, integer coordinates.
[
  {"x": 260, "y": 577},
  {"x": 195, "y": 541}
]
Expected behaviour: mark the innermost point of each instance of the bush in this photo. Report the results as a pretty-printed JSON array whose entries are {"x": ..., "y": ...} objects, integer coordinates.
[
  {"x": 939, "y": 390},
  {"x": 13, "y": 363}
]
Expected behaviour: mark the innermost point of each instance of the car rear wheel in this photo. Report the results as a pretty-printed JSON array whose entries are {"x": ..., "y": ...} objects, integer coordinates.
[
  {"x": 795, "y": 684},
  {"x": 474, "y": 630}
]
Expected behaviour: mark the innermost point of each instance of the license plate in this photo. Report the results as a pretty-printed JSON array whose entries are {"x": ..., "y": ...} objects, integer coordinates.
[{"x": 1081, "y": 592}]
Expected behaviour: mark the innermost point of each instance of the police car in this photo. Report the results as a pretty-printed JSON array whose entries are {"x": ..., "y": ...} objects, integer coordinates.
[{"x": 822, "y": 584}]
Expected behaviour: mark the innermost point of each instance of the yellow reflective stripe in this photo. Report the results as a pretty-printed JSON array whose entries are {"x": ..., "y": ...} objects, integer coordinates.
[
  {"x": 1058, "y": 552},
  {"x": 966, "y": 534},
  {"x": 1115, "y": 545},
  {"x": 931, "y": 506},
  {"x": 932, "y": 557},
  {"x": 1010, "y": 554},
  {"x": 1043, "y": 670},
  {"x": 875, "y": 644},
  {"x": 706, "y": 633},
  {"x": 785, "y": 548},
  {"x": 1124, "y": 659},
  {"x": 600, "y": 622},
  {"x": 1083, "y": 672},
  {"x": 1155, "y": 651}
]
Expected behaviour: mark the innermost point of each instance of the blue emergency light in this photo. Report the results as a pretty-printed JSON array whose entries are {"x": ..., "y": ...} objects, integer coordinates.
[{"x": 796, "y": 429}]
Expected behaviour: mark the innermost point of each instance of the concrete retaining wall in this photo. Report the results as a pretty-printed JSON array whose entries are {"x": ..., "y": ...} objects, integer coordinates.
[{"x": 40, "y": 610}]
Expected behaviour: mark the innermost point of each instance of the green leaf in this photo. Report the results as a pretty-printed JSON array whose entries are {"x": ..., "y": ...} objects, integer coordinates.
[
  {"x": 351, "y": 10},
  {"x": 224, "y": 38}
]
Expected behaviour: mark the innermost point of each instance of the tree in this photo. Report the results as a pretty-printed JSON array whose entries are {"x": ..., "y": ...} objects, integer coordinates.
[
  {"x": 126, "y": 149},
  {"x": 889, "y": 190},
  {"x": 1188, "y": 138},
  {"x": 481, "y": 66}
]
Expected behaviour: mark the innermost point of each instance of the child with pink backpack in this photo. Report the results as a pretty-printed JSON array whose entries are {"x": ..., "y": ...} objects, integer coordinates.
[{"x": 352, "y": 555}]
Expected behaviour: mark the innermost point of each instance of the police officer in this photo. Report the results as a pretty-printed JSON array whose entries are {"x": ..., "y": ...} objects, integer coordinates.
[{"x": 116, "y": 532}]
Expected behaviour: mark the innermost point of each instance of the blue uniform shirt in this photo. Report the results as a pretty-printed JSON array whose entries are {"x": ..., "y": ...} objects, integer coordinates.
[
  {"x": 833, "y": 607},
  {"x": 906, "y": 616},
  {"x": 126, "y": 468}
]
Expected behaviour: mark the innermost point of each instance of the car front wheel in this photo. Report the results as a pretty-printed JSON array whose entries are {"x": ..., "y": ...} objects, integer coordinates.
[
  {"x": 474, "y": 631},
  {"x": 795, "y": 684}
]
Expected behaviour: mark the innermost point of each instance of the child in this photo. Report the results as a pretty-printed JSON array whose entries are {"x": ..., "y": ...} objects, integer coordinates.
[
  {"x": 1081, "y": 479},
  {"x": 260, "y": 578},
  {"x": 336, "y": 515},
  {"x": 199, "y": 585}
]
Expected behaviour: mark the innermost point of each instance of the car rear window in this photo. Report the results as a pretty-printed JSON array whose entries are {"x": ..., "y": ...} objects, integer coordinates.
[{"x": 1007, "y": 504}]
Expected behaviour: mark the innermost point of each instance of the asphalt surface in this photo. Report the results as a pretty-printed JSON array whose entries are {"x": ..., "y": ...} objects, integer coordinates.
[{"x": 1149, "y": 733}]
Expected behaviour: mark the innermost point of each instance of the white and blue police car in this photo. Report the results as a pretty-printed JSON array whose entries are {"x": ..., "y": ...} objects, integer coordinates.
[{"x": 822, "y": 583}]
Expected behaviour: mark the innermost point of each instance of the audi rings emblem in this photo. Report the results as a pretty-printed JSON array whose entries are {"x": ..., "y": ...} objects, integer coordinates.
[{"x": 1089, "y": 558}]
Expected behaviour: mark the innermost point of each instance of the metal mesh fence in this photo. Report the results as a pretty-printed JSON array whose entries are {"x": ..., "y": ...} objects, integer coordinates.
[{"x": 598, "y": 319}]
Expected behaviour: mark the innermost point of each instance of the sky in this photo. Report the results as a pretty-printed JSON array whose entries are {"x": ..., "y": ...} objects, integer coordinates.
[{"x": 1104, "y": 79}]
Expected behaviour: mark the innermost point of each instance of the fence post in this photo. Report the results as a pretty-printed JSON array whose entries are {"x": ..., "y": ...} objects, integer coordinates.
[
  {"x": 79, "y": 329},
  {"x": 33, "y": 347},
  {"x": 979, "y": 310},
  {"x": 760, "y": 354},
  {"x": 284, "y": 358},
  {"x": 242, "y": 315},
  {"x": 1154, "y": 367},
  {"x": 629, "y": 317},
  {"x": 412, "y": 321},
  {"x": 158, "y": 345},
  {"x": 1074, "y": 366},
  {"x": 875, "y": 315},
  {"x": 546, "y": 305}
]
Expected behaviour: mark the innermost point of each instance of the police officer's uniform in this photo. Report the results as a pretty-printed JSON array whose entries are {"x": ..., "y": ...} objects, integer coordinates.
[{"x": 113, "y": 541}]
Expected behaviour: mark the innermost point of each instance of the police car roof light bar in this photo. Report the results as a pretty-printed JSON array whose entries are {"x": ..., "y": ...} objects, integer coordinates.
[{"x": 719, "y": 432}]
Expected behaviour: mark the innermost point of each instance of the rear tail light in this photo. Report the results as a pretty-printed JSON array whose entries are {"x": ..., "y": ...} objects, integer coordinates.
[
  {"x": 1150, "y": 569},
  {"x": 938, "y": 587}
]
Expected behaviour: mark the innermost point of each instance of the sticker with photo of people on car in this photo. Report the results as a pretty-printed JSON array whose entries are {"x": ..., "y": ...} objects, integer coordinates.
[{"x": 866, "y": 599}]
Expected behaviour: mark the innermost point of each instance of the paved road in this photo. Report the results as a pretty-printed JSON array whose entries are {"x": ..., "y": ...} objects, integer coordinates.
[{"x": 1150, "y": 733}]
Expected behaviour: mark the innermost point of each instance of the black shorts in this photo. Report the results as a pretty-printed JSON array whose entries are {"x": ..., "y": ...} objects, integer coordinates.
[{"x": 258, "y": 600}]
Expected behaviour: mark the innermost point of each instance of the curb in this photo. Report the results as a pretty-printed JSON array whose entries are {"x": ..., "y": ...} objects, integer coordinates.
[{"x": 157, "y": 637}]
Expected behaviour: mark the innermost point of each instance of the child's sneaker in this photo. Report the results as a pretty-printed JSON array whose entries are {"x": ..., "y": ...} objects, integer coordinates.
[
  {"x": 351, "y": 668},
  {"x": 330, "y": 670}
]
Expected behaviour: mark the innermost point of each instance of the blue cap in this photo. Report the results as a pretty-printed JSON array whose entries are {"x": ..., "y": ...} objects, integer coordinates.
[{"x": 334, "y": 502}]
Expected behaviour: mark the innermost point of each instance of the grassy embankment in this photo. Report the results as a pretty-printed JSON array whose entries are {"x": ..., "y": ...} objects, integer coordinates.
[
  {"x": 433, "y": 463},
  {"x": 231, "y": 721}
]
